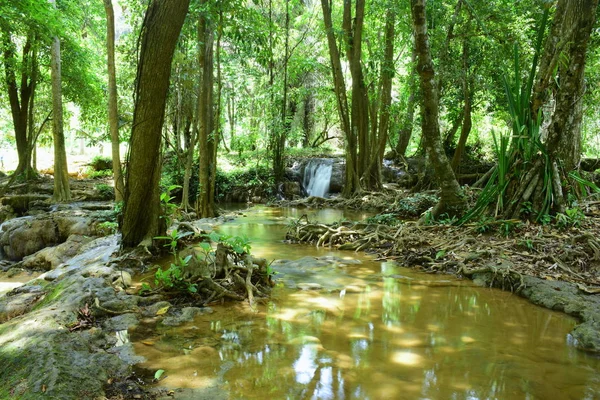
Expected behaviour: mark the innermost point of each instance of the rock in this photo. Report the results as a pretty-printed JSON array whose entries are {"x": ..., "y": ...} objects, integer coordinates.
[
  {"x": 122, "y": 322},
  {"x": 187, "y": 314},
  {"x": 50, "y": 257},
  {"x": 291, "y": 190},
  {"x": 24, "y": 236},
  {"x": 152, "y": 309},
  {"x": 21, "y": 203},
  {"x": 309, "y": 286},
  {"x": 121, "y": 280}
]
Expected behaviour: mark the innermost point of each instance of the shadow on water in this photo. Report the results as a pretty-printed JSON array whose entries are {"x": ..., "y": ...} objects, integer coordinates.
[{"x": 391, "y": 333}]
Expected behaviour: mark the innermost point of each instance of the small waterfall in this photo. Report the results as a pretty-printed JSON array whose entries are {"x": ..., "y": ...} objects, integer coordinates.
[{"x": 317, "y": 175}]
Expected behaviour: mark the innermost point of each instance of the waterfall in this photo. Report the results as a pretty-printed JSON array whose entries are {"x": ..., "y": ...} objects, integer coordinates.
[{"x": 317, "y": 175}]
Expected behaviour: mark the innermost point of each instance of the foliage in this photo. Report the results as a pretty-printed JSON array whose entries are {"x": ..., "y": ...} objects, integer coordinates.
[
  {"x": 173, "y": 277},
  {"x": 170, "y": 210},
  {"x": 384, "y": 219},
  {"x": 572, "y": 218},
  {"x": 105, "y": 191},
  {"x": 101, "y": 163},
  {"x": 257, "y": 179},
  {"x": 106, "y": 228}
]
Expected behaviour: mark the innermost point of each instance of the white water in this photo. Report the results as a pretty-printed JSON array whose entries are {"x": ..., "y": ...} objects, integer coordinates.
[{"x": 317, "y": 175}]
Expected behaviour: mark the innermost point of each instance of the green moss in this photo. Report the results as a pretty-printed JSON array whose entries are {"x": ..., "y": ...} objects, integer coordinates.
[{"x": 51, "y": 295}]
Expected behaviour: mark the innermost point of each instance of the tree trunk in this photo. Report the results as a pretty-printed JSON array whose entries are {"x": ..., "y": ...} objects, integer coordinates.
[
  {"x": 373, "y": 172},
  {"x": 542, "y": 182},
  {"x": 142, "y": 211},
  {"x": 205, "y": 117},
  {"x": 19, "y": 96},
  {"x": 564, "y": 132},
  {"x": 62, "y": 191},
  {"x": 307, "y": 119},
  {"x": 113, "y": 116},
  {"x": 451, "y": 199},
  {"x": 467, "y": 122},
  {"x": 406, "y": 128},
  {"x": 351, "y": 181}
]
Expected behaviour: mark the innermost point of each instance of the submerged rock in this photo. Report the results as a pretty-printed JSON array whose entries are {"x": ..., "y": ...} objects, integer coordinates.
[{"x": 186, "y": 314}]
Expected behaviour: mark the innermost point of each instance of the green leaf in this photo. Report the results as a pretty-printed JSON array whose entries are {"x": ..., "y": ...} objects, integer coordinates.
[
  {"x": 158, "y": 374},
  {"x": 214, "y": 236}
]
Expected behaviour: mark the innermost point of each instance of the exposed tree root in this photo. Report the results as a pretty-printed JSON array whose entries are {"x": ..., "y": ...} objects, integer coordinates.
[{"x": 543, "y": 251}]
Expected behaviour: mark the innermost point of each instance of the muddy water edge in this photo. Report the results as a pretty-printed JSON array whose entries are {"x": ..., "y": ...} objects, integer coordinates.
[{"x": 368, "y": 331}]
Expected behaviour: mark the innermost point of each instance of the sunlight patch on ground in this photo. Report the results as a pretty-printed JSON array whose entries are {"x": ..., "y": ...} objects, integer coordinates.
[{"x": 8, "y": 286}]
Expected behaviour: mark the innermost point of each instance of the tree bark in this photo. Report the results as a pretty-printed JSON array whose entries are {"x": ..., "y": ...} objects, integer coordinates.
[
  {"x": 380, "y": 130},
  {"x": 467, "y": 122},
  {"x": 451, "y": 198},
  {"x": 142, "y": 211},
  {"x": 19, "y": 96},
  {"x": 113, "y": 116},
  {"x": 62, "y": 191},
  {"x": 564, "y": 132},
  {"x": 351, "y": 180},
  {"x": 205, "y": 117},
  {"x": 406, "y": 126}
]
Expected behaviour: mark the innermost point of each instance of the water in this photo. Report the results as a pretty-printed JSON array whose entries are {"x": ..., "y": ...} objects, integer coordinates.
[
  {"x": 317, "y": 175},
  {"x": 418, "y": 337}
]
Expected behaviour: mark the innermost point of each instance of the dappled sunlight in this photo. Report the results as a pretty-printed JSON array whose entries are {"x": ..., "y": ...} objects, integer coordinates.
[
  {"x": 407, "y": 358},
  {"x": 372, "y": 336}
]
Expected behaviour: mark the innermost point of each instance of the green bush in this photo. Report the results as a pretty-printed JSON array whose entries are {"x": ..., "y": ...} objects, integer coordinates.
[
  {"x": 101, "y": 163},
  {"x": 105, "y": 191}
]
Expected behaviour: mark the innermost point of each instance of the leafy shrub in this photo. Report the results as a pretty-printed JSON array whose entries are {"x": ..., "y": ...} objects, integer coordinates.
[
  {"x": 384, "y": 219},
  {"x": 105, "y": 191},
  {"x": 101, "y": 163},
  {"x": 104, "y": 173},
  {"x": 573, "y": 217},
  {"x": 106, "y": 228}
]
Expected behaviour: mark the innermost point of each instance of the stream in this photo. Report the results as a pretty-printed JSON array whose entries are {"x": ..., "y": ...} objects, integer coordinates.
[{"x": 383, "y": 332}]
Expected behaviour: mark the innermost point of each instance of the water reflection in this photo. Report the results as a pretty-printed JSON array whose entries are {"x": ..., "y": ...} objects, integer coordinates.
[{"x": 397, "y": 334}]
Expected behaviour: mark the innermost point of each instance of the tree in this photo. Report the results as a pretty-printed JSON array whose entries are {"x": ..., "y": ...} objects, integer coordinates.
[
  {"x": 206, "y": 140},
  {"x": 21, "y": 95},
  {"x": 113, "y": 116},
  {"x": 142, "y": 211},
  {"x": 62, "y": 191},
  {"x": 451, "y": 199}
]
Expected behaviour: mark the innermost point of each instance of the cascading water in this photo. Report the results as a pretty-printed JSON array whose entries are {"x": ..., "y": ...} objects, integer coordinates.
[{"x": 317, "y": 176}]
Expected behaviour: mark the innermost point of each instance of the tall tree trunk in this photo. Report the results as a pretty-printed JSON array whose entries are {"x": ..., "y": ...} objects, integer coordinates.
[
  {"x": 216, "y": 115},
  {"x": 467, "y": 122},
  {"x": 307, "y": 119},
  {"x": 451, "y": 198},
  {"x": 205, "y": 117},
  {"x": 359, "y": 116},
  {"x": 406, "y": 126},
  {"x": 142, "y": 210},
  {"x": 351, "y": 181},
  {"x": 19, "y": 96},
  {"x": 231, "y": 117},
  {"x": 564, "y": 132},
  {"x": 62, "y": 191},
  {"x": 381, "y": 129},
  {"x": 113, "y": 116},
  {"x": 541, "y": 183}
]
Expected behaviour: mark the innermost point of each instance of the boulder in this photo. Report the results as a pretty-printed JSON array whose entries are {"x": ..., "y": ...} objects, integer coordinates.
[{"x": 20, "y": 237}]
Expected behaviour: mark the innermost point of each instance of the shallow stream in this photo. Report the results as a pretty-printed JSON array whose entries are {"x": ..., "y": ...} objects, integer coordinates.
[{"x": 410, "y": 336}]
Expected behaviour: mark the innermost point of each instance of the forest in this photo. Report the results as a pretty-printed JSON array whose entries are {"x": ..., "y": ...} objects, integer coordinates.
[{"x": 208, "y": 199}]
